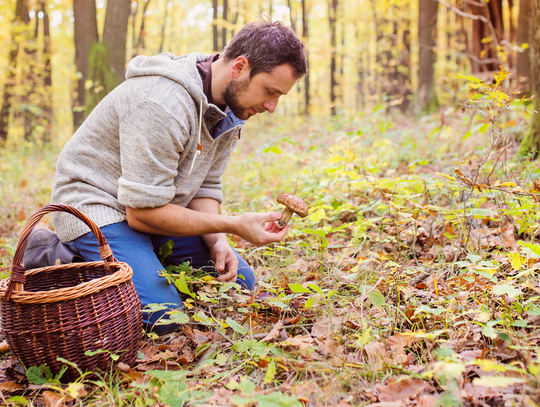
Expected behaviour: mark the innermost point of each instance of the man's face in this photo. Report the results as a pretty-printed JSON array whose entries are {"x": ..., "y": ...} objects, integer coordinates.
[{"x": 246, "y": 97}]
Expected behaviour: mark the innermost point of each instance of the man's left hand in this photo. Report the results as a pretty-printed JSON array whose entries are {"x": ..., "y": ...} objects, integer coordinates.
[{"x": 225, "y": 260}]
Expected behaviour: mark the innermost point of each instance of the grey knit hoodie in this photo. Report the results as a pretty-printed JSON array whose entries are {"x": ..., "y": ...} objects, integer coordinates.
[{"x": 138, "y": 147}]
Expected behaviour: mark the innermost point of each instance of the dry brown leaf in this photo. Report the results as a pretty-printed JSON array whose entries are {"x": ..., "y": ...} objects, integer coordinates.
[
  {"x": 399, "y": 341},
  {"x": 376, "y": 354},
  {"x": 300, "y": 341},
  {"x": 53, "y": 399},
  {"x": 299, "y": 265},
  {"x": 319, "y": 330},
  {"x": 274, "y": 333},
  {"x": 401, "y": 389},
  {"x": 425, "y": 400},
  {"x": 10, "y": 387}
]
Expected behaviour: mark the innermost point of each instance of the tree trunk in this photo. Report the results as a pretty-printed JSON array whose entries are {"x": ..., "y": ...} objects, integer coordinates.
[
  {"x": 531, "y": 142},
  {"x": 224, "y": 24},
  {"x": 163, "y": 28},
  {"x": 21, "y": 17},
  {"x": 142, "y": 32},
  {"x": 47, "y": 76},
  {"x": 427, "y": 36},
  {"x": 333, "y": 44},
  {"x": 523, "y": 37},
  {"x": 484, "y": 52},
  {"x": 305, "y": 36},
  {"x": 86, "y": 34},
  {"x": 214, "y": 25},
  {"x": 29, "y": 84},
  {"x": 115, "y": 35}
]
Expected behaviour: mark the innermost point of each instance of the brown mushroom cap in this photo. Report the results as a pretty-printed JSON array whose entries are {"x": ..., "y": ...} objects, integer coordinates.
[{"x": 297, "y": 205}]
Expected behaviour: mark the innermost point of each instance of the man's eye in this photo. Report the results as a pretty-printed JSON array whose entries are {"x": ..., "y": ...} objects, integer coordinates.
[{"x": 270, "y": 93}]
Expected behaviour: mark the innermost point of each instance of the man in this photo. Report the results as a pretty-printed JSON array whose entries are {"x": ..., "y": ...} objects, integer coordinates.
[{"x": 146, "y": 164}]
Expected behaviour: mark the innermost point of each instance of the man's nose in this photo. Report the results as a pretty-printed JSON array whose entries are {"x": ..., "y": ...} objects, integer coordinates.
[{"x": 271, "y": 105}]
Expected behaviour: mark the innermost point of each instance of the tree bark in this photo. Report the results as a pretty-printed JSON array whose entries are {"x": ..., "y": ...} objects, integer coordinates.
[
  {"x": 305, "y": 36},
  {"x": 86, "y": 34},
  {"x": 163, "y": 28},
  {"x": 115, "y": 35},
  {"x": 427, "y": 35},
  {"x": 333, "y": 44},
  {"x": 21, "y": 18},
  {"x": 214, "y": 25},
  {"x": 224, "y": 24},
  {"x": 47, "y": 76},
  {"x": 523, "y": 37},
  {"x": 531, "y": 142}
]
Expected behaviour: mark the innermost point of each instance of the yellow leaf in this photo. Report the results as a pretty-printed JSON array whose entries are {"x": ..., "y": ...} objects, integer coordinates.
[
  {"x": 516, "y": 260},
  {"x": 446, "y": 176},
  {"x": 317, "y": 216}
]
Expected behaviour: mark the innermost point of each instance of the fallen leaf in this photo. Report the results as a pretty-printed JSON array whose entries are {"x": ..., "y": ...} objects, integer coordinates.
[
  {"x": 401, "y": 389},
  {"x": 274, "y": 333},
  {"x": 10, "y": 387},
  {"x": 53, "y": 399},
  {"x": 299, "y": 265},
  {"x": 124, "y": 368}
]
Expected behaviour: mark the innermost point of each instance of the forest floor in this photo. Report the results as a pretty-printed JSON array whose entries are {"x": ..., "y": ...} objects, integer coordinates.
[{"x": 412, "y": 282}]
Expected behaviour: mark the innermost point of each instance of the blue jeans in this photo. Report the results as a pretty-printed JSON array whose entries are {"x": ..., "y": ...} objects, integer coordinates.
[{"x": 139, "y": 250}]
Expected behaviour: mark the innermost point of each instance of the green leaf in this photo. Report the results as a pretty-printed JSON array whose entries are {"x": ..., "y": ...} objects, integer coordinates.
[
  {"x": 270, "y": 372},
  {"x": 316, "y": 288},
  {"x": 178, "y": 317},
  {"x": 236, "y": 326},
  {"x": 181, "y": 285},
  {"x": 34, "y": 375},
  {"x": 18, "y": 400},
  {"x": 376, "y": 298},
  {"x": 533, "y": 249},
  {"x": 508, "y": 289},
  {"x": 272, "y": 149},
  {"x": 298, "y": 288},
  {"x": 277, "y": 399},
  {"x": 165, "y": 250}
]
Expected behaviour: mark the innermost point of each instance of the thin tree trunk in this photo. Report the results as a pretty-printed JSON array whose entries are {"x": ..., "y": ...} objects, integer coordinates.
[
  {"x": 142, "y": 32},
  {"x": 523, "y": 37},
  {"x": 305, "y": 36},
  {"x": 427, "y": 35},
  {"x": 47, "y": 76},
  {"x": 214, "y": 25},
  {"x": 292, "y": 15},
  {"x": 531, "y": 142},
  {"x": 21, "y": 15},
  {"x": 134, "y": 11},
  {"x": 86, "y": 34},
  {"x": 29, "y": 84},
  {"x": 163, "y": 27},
  {"x": 333, "y": 43},
  {"x": 115, "y": 35},
  {"x": 224, "y": 24}
]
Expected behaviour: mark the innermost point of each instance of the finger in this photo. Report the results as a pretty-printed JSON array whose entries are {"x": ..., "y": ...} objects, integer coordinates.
[
  {"x": 271, "y": 216},
  {"x": 232, "y": 268}
]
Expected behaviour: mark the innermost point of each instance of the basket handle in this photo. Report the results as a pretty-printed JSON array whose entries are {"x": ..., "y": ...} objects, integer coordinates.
[{"x": 18, "y": 277}]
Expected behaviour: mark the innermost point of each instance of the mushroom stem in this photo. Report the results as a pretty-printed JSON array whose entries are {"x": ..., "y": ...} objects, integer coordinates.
[{"x": 285, "y": 218}]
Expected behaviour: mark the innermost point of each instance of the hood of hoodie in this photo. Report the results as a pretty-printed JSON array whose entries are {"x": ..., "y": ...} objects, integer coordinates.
[{"x": 180, "y": 69}]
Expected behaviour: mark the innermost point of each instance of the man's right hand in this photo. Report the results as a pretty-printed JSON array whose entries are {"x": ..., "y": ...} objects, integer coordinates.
[{"x": 259, "y": 228}]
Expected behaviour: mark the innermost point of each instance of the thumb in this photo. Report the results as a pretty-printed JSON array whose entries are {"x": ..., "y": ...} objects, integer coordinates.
[{"x": 272, "y": 216}]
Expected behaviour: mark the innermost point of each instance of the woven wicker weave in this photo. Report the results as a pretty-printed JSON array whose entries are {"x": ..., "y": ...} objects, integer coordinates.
[{"x": 69, "y": 309}]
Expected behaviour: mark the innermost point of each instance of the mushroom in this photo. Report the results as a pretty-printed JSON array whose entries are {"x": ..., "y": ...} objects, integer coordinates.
[{"x": 293, "y": 204}]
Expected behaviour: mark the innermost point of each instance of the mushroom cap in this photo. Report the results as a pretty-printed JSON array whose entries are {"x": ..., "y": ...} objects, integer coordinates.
[{"x": 297, "y": 205}]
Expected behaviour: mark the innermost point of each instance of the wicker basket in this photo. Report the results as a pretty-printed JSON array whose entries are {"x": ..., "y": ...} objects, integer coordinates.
[{"x": 69, "y": 309}]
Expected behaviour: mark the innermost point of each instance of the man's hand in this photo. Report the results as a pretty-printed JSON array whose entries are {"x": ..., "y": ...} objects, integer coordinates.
[
  {"x": 259, "y": 228},
  {"x": 225, "y": 260}
]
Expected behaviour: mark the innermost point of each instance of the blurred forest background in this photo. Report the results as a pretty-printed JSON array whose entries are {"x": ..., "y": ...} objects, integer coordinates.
[{"x": 58, "y": 58}]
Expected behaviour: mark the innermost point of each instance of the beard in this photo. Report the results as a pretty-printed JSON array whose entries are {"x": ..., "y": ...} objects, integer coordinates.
[{"x": 230, "y": 95}]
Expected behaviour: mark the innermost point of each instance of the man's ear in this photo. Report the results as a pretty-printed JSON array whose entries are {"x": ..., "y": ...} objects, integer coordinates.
[{"x": 240, "y": 65}]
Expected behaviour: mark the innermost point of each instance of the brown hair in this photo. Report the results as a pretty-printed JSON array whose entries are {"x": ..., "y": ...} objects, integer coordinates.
[{"x": 267, "y": 45}]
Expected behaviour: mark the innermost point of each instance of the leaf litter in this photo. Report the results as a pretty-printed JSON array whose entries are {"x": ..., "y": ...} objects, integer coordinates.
[{"x": 401, "y": 288}]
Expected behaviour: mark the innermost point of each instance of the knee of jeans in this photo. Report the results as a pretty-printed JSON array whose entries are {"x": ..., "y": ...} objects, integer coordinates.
[
  {"x": 158, "y": 321},
  {"x": 246, "y": 278}
]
